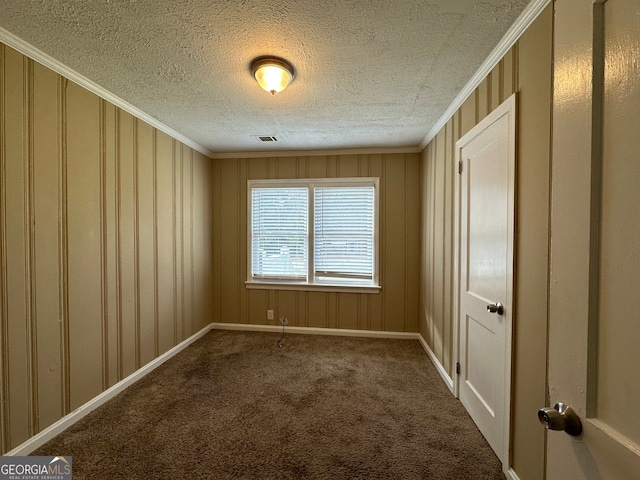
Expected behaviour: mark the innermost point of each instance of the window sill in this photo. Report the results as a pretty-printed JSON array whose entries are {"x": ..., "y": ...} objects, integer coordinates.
[{"x": 312, "y": 287}]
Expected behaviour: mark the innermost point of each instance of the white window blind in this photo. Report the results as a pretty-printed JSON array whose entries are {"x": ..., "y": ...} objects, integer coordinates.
[
  {"x": 313, "y": 233},
  {"x": 344, "y": 233},
  {"x": 279, "y": 233}
]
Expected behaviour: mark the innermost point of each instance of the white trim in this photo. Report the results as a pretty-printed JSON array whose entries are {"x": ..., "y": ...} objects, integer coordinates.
[
  {"x": 324, "y": 181},
  {"x": 311, "y": 287},
  {"x": 456, "y": 270},
  {"x": 507, "y": 108},
  {"x": 526, "y": 18},
  {"x": 58, "y": 427},
  {"x": 343, "y": 333},
  {"x": 65, "y": 422},
  {"x": 524, "y": 21},
  {"x": 309, "y": 282},
  {"x": 439, "y": 367},
  {"x": 39, "y": 56},
  {"x": 338, "y": 332},
  {"x": 320, "y": 152},
  {"x": 511, "y": 474}
]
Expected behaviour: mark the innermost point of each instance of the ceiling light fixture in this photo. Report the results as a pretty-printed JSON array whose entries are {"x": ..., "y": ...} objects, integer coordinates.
[{"x": 272, "y": 74}]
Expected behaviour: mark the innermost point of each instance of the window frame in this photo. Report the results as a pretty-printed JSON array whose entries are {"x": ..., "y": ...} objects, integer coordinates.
[{"x": 311, "y": 283}]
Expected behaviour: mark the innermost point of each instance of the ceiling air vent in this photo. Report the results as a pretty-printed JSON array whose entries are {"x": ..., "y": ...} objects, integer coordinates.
[{"x": 265, "y": 138}]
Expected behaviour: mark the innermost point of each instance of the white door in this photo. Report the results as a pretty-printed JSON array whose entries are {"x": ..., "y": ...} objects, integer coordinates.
[
  {"x": 485, "y": 220},
  {"x": 594, "y": 314}
]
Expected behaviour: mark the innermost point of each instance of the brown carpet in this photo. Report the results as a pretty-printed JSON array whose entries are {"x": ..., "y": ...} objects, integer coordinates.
[{"x": 234, "y": 405}]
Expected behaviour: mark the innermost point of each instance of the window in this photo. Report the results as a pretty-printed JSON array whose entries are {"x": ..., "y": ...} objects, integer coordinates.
[{"x": 313, "y": 234}]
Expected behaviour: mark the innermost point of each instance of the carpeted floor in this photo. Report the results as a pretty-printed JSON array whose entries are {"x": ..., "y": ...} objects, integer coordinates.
[{"x": 234, "y": 405}]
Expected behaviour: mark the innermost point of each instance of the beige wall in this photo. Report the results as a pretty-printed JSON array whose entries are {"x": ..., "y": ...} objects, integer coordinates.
[
  {"x": 395, "y": 308},
  {"x": 105, "y": 245},
  {"x": 526, "y": 69}
]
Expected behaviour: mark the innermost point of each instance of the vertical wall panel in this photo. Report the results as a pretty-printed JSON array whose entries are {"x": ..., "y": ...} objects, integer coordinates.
[
  {"x": 4, "y": 320},
  {"x": 202, "y": 232},
  {"x": 198, "y": 242},
  {"x": 187, "y": 242},
  {"x": 16, "y": 356},
  {"x": 242, "y": 236},
  {"x": 484, "y": 98},
  {"x": 331, "y": 300},
  {"x": 303, "y": 309},
  {"x": 509, "y": 73},
  {"x": 348, "y": 166},
  {"x": 216, "y": 204},
  {"x": 438, "y": 242},
  {"x": 287, "y": 305},
  {"x": 432, "y": 246},
  {"x": 85, "y": 241},
  {"x": 287, "y": 167},
  {"x": 375, "y": 320},
  {"x": 257, "y": 301},
  {"x": 532, "y": 233},
  {"x": 165, "y": 242},
  {"x": 229, "y": 225},
  {"x": 348, "y": 312},
  {"x": 412, "y": 247},
  {"x": 317, "y": 167},
  {"x": 450, "y": 172},
  {"x": 46, "y": 262},
  {"x": 145, "y": 226},
  {"x": 497, "y": 83},
  {"x": 424, "y": 236},
  {"x": 257, "y": 306},
  {"x": 468, "y": 114},
  {"x": 127, "y": 235},
  {"x": 178, "y": 254},
  {"x": 317, "y": 313},
  {"x": 257, "y": 168},
  {"x": 208, "y": 202},
  {"x": 110, "y": 232},
  {"x": 394, "y": 249}
]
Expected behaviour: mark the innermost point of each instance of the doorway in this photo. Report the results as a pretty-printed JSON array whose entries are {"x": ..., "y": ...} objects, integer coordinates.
[{"x": 484, "y": 248}]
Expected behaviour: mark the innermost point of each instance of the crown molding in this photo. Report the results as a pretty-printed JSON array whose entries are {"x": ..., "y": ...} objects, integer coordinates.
[
  {"x": 522, "y": 23},
  {"x": 526, "y": 18},
  {"x": 314, "y": 153},
  {"x": 39, "y": 56}
]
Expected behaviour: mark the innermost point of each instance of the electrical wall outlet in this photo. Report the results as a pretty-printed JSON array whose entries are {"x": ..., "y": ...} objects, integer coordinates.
[
  {"x": 269, "y": 314},
  {"x": 283, "y": 320}
]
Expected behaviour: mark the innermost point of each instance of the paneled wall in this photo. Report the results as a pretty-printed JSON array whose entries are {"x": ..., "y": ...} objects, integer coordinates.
[
  {"x": 105, "y": 245},
  {"x": 395, "y": 308},
  {"x": 527, "y": 70}
]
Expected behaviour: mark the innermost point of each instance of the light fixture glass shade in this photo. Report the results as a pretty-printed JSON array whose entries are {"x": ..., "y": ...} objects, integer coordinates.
[{"x": 272, "y": 74}]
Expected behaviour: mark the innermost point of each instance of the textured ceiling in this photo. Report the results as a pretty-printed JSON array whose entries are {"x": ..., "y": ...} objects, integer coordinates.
[{"x": 368, "y": 73}]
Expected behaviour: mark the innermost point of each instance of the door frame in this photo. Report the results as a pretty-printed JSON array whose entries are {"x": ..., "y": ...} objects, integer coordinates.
[{"x": 509, "y": 108}]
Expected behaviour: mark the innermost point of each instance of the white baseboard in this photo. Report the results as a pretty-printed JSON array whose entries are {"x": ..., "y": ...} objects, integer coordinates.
[
  {"x": 344, "y": 332},
  {"x": 439, "y": 367},
  {"x": 511, "y": 474},
  {"x": 65, "y": 422},
  {"x": 51, "y": 431}
]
